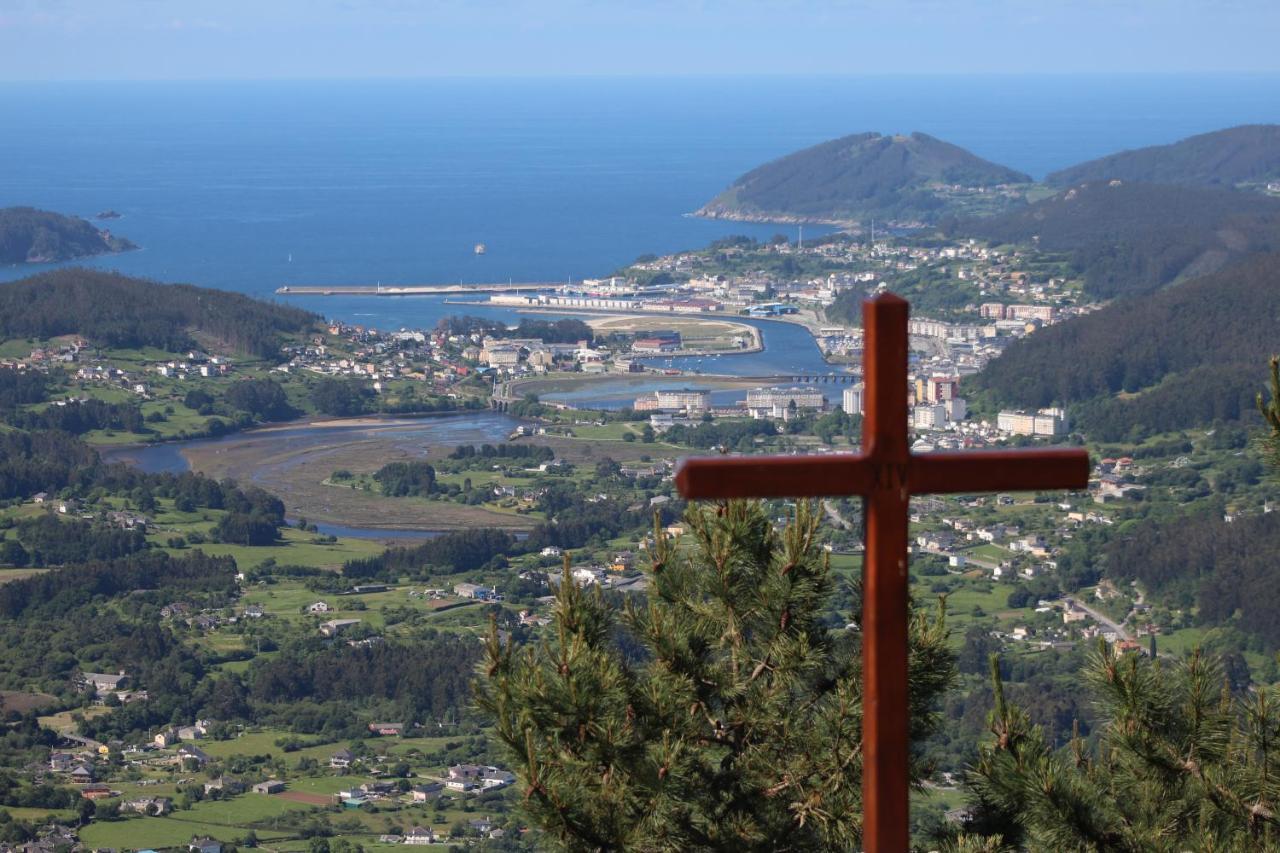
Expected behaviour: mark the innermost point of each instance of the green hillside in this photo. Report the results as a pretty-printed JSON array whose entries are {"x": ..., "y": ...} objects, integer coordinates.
[
  {"x": 1249, "y": 154},
  {"x": 118, "y": 311},
  {"x": 869, "y": 175},
  {"x": 28, "y": 235},
  {"x": 1128, "y": 238},
  {"x": 1184, "y": 356}
]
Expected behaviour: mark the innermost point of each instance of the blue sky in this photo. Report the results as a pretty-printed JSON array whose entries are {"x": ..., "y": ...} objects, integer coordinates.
[{"x": 186, "y": 39}]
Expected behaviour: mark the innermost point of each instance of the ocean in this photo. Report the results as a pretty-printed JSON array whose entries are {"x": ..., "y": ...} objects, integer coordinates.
[{"x": 250, "y": 186}]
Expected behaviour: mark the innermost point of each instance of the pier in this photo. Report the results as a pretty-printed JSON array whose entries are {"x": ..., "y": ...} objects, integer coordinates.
[
  {"x": 410, "y": 289},
  {"x": 798, "y": 379}
]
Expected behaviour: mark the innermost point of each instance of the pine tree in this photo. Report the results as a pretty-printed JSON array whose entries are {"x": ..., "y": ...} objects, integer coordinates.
[
  {"x": 1179, "y": 764},
  {"x": 1270, "y": 409},
  {"x": 722, "y": 712},
  {"x": 1269, "y": 443}
]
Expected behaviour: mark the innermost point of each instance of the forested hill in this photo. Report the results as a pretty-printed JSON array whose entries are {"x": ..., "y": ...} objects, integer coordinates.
[
  {"x": 1128, "y": 238},
  {"x": 1185, "y": 356},
  {"x": 1249, "y": 154},
  {"x": 865, "y": 175},
  {"x": 28, "y": 235},
  {"x": 117, "y": 311}
]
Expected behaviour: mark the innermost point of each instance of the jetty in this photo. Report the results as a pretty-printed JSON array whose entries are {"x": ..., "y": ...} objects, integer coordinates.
[{"x": 411, "y": 289}]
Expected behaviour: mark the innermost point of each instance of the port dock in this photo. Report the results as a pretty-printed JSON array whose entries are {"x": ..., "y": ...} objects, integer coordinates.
[{"x": 411, "y": 289}]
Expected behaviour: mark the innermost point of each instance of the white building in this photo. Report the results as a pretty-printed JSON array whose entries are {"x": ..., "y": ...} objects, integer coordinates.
[
  {"x": 691, "y": 400},
  {"x": 930, "y": 416},
  {"x": 420, "y": 835},
  {"x": 1043, "y": 422},
  {"x": 852, "y": 401},
  {"x": 777, "y": 402}
]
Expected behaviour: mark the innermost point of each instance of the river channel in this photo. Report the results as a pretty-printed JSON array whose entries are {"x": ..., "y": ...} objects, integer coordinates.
[{"x": 293, "y": 462}]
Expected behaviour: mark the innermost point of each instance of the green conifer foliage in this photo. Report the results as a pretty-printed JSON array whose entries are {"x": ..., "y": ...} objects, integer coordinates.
[
  {"x": 1270, "y": 410},
  {"x": 1179, "y": 764},
  {"x": 720, "y": 713}
]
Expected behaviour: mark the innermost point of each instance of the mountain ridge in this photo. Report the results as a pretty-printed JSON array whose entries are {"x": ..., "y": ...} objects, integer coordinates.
[
  {"x": 1230, "y": 157},
  {"x": 1128, "y": 238},
  {"x": 863, "y": 175}
]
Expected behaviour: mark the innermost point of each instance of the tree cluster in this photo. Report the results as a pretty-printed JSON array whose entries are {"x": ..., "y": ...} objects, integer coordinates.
[
  {"x": 1190, "y": 350},
  {"x": 1222, "y": 158},
  {"x": 452, "y": 553},
  {"x": 1200, "y": 560},
  {"x": 122, "y": 312},
  {"x": 730, "y": 717},
  {"x": 1177, "y": 764},
  {"x": 735, "y": 435},
  {"x": 401, "y": 479},
  {"x": 265, "y": 399},
  {"x": 1129, "y": 239},
  {"x": 534, "y": 453},
  {"x": 426, "y": 680}
]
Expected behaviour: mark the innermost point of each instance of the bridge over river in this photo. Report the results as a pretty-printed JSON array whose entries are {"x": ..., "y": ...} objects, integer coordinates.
[{"x": 504, "y": 394}]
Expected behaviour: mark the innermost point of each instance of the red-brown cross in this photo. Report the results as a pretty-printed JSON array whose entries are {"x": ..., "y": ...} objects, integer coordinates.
[{"x": 886, "y": 474}]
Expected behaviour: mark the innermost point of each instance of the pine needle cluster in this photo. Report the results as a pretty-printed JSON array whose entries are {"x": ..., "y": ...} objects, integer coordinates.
[
  {"x": 1180, "y": 764},
  {"x": 719, "y": 713},
  {"x": 1270, "y": 410}
]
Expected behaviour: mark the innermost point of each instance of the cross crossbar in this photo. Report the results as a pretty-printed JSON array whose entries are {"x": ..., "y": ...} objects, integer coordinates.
[
  {"x": 886, "y": 474},
  {"x": 844, "y": 474}
]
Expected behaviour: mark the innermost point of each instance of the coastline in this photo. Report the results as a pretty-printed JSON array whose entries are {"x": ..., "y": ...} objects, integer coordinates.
[
  {"x": 811, "y": 325},
  {"x": 850, "y": 225},
  {"x": 756, "y": 345}
]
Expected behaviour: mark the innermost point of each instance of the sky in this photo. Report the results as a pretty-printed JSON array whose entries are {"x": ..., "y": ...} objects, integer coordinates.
[{"x": 325, "y": 39}]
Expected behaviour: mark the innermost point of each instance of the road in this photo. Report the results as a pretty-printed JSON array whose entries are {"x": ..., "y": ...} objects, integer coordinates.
[
  {"x": 982, "y": 564},
  {"x": 1101, "y": 619},
  {"x": 69, "y": 734},
  {"x": 836, "y": 518}
]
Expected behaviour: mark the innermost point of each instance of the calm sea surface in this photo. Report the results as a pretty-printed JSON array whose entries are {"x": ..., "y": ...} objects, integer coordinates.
[{"x": 250, "y": 186}]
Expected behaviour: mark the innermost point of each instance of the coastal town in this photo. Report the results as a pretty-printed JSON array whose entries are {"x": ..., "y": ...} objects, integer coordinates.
[
  {"x": 575, "y": 413},
  {"x": 695, "y": 298}
]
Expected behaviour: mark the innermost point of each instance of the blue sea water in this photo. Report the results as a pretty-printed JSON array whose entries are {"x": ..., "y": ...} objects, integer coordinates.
[{"x": 250, "y": 186}]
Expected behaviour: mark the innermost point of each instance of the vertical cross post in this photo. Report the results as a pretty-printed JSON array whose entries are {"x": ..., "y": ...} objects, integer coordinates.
[
  {"x": 886, "y": 474},
  {"x": 884, "y": 609}
]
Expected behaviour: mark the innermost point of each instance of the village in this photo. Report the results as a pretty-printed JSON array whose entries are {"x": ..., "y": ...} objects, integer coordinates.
[{"x": 998, "y": 561}]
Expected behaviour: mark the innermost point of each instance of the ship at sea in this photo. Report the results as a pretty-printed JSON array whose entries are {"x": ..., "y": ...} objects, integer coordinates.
[{"x": 480, "y": 248}]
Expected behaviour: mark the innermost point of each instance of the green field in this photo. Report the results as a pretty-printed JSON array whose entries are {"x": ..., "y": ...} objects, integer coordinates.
[
  {"x": 988, "y": 552},
  {"x": 171, "y": 831},
  {"x": 40, "y": 815},
  {"x": 8, "y": 575},
  {"x": 295, "y": 548}
]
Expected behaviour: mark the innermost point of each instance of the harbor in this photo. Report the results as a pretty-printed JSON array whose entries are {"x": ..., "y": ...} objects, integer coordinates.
[{"x": 409, "y": 289}]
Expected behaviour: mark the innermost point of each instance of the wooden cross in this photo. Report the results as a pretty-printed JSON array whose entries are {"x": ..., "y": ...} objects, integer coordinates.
[{"x": 886, "y": 474}]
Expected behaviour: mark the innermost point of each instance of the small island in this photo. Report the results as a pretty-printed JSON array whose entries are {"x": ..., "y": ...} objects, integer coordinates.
[{"x": 31, "y": 236}]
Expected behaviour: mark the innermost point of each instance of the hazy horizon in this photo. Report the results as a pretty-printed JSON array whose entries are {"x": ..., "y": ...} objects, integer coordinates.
[{"x": 408, "y": 39}]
